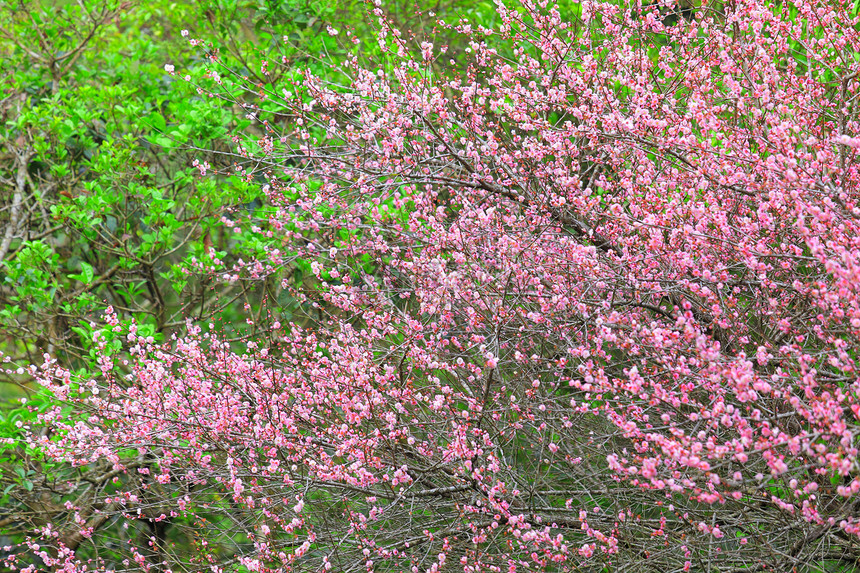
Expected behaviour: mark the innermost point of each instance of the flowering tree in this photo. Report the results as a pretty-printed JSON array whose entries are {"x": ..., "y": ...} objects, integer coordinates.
[{"x": 591, "y": 302}]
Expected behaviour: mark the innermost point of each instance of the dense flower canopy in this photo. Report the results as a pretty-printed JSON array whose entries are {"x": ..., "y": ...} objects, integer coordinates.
[{"x": 592, "y": 302}]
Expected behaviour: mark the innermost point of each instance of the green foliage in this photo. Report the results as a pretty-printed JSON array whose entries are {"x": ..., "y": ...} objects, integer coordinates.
[{"x": 100, "y": 143}]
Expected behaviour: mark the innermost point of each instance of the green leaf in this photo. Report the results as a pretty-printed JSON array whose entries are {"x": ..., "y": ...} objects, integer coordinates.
[
  {"x": 157, "y": 122},
  {"x": 88, "y": 273},
  {"x": 179, "y": 286}
]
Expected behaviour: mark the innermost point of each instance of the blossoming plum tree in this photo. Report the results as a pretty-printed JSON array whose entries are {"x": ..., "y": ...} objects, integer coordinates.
[{"x": 592, "y": 302}]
